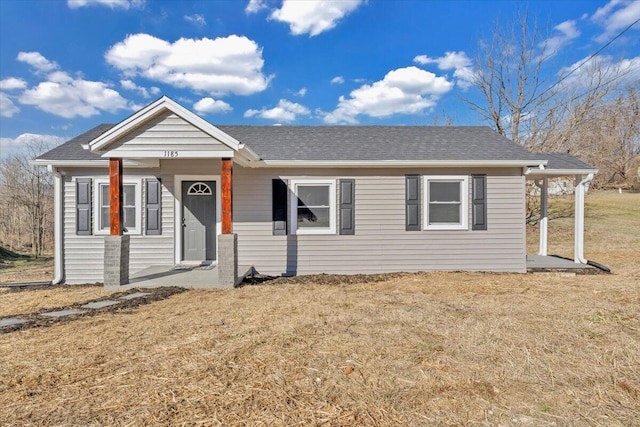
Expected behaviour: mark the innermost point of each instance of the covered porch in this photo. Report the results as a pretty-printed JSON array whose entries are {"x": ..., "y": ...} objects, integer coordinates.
[
  {"x": 561, "y": 165},
  {"x": 160, "y": 134}
]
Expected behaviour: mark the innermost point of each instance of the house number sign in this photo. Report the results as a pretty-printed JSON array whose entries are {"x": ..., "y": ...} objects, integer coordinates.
[{"x": 171, "y": 154}]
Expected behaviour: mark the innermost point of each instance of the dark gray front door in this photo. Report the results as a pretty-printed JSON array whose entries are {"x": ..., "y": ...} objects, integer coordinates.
[{"x": 198, "y": 220}]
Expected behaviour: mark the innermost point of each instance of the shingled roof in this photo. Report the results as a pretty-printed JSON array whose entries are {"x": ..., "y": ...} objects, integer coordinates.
[{"x": 339, "y": 143}]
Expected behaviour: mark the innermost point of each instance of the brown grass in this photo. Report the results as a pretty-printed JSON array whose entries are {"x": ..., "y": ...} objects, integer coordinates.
[
  {"x": 26, "y": 270},
  {"x": 14, "y": 302},
  {"x": 419, "y": 349}
]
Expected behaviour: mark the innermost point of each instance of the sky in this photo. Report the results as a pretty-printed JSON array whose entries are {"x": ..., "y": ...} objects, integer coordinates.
[{"x": 69, "y": 65}]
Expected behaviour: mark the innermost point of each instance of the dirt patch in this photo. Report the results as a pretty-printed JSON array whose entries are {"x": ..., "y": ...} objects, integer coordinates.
[{"x": 320, "y": 279}]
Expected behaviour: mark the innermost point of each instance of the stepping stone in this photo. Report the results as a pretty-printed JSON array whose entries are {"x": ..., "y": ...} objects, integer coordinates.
[
  {"x": 135, "y": 295},
  {"x": 11, "y": 321},
  {"x": 101, "y": 304},
  {"x": 63, "y": 313}
]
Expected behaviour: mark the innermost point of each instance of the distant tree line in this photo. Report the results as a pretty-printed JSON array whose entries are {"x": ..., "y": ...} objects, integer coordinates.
[
  {"x": 591, "y": 111},
  {"x": 26, "y": 202}
]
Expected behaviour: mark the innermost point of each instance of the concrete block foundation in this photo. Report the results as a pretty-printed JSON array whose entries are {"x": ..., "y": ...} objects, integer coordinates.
[
  {"x": 116, "y": 260},
  {"x": 228, "y": 260}
]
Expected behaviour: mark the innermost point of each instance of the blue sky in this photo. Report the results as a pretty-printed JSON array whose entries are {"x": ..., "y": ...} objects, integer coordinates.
[{"x": 66, "y": 66}]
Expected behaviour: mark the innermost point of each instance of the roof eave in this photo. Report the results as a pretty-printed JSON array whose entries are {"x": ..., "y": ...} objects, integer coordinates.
[
  {"x": 534, "y": 173},
  {"x": 400, "y": 163}
]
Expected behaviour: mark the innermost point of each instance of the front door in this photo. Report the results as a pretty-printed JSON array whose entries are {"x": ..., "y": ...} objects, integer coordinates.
[{"x": 198, "y": 220}]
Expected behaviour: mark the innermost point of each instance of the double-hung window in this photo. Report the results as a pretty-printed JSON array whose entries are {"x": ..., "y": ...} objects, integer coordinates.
[
  {"x": 131, "y": 206},
  {"x": 313, "y": 206},
  {"x": 446, "y": 202}
]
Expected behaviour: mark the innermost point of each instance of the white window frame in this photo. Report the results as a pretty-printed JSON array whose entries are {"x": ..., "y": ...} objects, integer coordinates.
[
  {"x": 97, "y": 210},
  {"x": 293, "y": 201},
  {"x": 463, "y": 180}
]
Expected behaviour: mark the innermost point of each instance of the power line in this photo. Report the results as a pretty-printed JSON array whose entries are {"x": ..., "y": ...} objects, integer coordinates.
[{"x": 586, "y": 60}]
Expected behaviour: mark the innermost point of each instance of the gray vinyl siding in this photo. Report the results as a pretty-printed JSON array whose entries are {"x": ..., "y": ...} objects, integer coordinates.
[
  {"x": 380, "y": 243},
  {"x": 84, "y": 255},
  {"x": 167, "y": 132}
]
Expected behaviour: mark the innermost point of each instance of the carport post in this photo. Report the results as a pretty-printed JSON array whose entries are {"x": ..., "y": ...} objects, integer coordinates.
[{"x": 544, "y": 216}]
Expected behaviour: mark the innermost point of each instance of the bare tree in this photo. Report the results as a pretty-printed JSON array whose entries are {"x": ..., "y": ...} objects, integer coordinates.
[
  {"x": 593, "y": 114},
  {"x": 26, "y": 201},
  {"x": 508, "y": 75}
]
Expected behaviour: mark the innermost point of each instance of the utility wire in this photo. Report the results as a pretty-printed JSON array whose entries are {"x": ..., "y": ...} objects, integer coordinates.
[{"x": 593, "y": 55}]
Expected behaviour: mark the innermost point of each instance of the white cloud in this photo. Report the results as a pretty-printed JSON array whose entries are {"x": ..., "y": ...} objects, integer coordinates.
[
  {"x": 131, "y": 85},
  {"x": 68, "y": 97},
  {"x": 604, "y": 68},
  {"x": 337, "y": 80},
  {"x": 255, "y": 6},
  {"x": 7, "y": 107},
  {"x": 220, "y": 66},
  {"x": 113, "y": 4},
  {"x": 37, "y": 61},
  {"x": 302, "y": 92},
  {"x": 12, "y": 83},
  {"x": 457, "y": 61},
  {"x": 286, "y": 111},
  {"x": 565, "y": 32},
  {"x": 313, "y": 16},
  {"x": 12, "y": 146},
  {"x": 154, "y": 90},
  {"x": 210, "y": 105},
  {"x": 196, "y": 19},
  {"x": 407, "y": 90},
  {"x": 615, "y": 16}
]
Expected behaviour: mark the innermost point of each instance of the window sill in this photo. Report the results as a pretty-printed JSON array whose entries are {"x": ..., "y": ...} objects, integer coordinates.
[
  {"x": 447, "y": 227},
  {"x": 314, "y": 232}
]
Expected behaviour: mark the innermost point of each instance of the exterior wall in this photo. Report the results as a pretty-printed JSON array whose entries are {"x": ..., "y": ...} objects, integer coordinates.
[
  {"x": 84, "y": 255},
  {"x": 380, "y": 243}
]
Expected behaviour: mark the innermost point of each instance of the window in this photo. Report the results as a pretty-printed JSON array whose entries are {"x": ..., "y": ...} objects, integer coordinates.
[
  {"x": 131, "y": 206},
  {"x": 313, "y": 207},
  {"x": 446, "y": 202}
]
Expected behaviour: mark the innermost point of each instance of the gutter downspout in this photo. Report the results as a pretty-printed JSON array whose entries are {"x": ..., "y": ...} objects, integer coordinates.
[
  {"x": 581, "y": 182},
  {"x": 57, "y": 232}
]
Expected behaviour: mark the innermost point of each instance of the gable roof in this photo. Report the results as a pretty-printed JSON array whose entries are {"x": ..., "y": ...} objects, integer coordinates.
[
  {"x": 379, "y": 143},
  {"x": 72, "y": 149},
  {"x": 163, "y": 104},
  {"x": 366, "y": 144}
]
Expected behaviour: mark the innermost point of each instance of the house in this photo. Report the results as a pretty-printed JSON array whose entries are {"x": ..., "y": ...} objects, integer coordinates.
[{"x": 164, "y": 187}]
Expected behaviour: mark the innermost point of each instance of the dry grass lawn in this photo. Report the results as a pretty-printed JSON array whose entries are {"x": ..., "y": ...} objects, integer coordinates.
[{"x": 422, "y": 349}]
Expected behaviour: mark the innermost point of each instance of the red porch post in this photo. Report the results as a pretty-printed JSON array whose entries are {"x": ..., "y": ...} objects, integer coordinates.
[
  {"x": 115, "y": 196},
  {"x": 227, "y": 201}
]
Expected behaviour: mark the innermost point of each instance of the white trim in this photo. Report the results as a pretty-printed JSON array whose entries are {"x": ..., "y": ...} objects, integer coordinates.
[
  {"x": 97, "y": 209},
  {"x": 127, "y": 163},
  {"x": 165, "y": 103},
  {"x": 398, "y": 163},
  {"x": 294, "y": 206},
  {"x": 550, "y": 173},
  {"x": 463, "y": 180},
  {"x": 161, "y": 154},
  {"x": 177, "y": 211}
]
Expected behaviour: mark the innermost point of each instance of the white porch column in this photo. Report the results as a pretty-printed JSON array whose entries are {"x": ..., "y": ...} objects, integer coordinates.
[
  {"x": 544, "y": 215},
  {"x": 581, "y": 181}
]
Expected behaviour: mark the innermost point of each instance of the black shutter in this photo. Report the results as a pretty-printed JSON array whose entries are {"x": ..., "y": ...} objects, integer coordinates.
[
  {"x": 479, "y": 202},
  {"x": 83, "y": 206},
  {"x": 413, "y": 200},
  {"x": 347, "y": 206},
  {"x": 279, "y": 207},
  {"x": 154, "y": 207}
]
